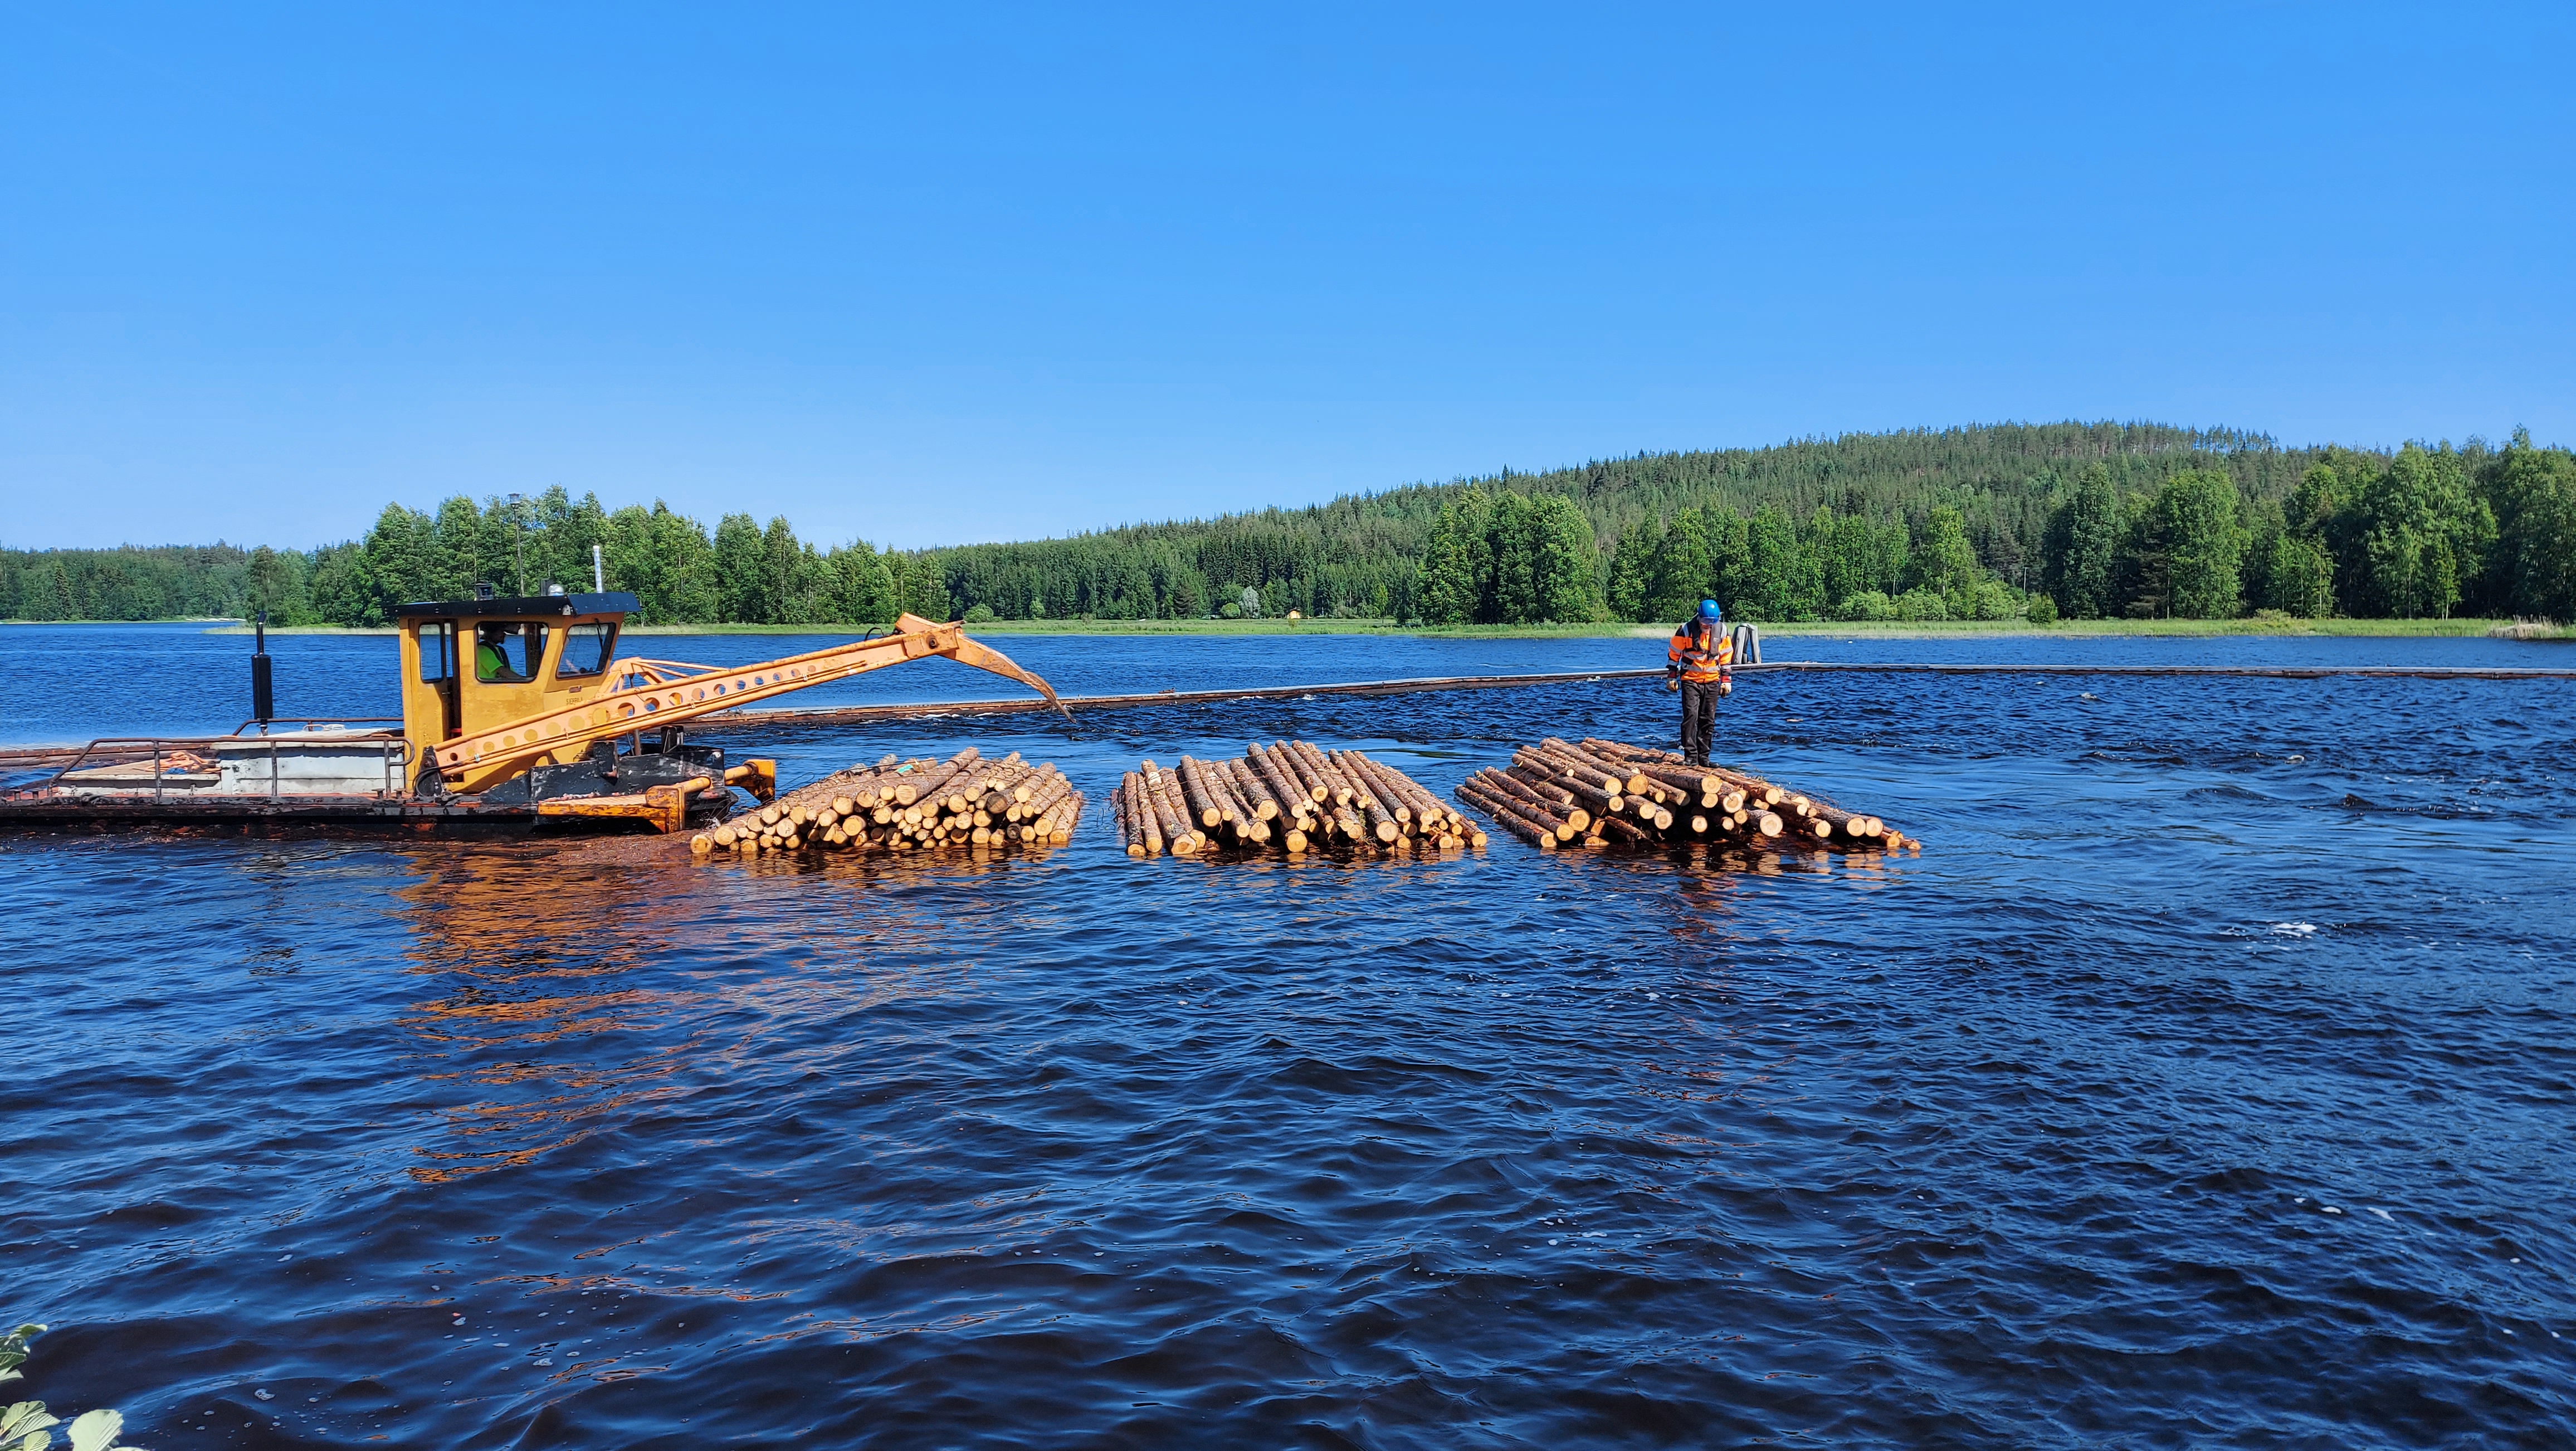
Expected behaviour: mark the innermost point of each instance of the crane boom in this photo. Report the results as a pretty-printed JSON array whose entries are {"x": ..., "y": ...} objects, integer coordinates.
[{"x": 653, "y": 693}]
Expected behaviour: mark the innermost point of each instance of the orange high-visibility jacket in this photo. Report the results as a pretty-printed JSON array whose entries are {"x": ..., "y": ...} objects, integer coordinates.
[{"x": 1700, "y": 658}]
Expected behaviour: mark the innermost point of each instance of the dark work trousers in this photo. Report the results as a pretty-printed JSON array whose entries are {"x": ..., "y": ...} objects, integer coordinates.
[{"x": 1699, "y": 719}]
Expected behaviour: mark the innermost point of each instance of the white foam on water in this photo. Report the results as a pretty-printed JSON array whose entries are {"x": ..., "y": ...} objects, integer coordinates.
[{"x": 2295, "y": 929}]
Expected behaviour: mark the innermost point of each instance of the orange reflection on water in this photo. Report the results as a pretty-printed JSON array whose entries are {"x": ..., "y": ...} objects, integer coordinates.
[
  {"x": 532, "y": 939},
  {"x": 498, "y": 920}
]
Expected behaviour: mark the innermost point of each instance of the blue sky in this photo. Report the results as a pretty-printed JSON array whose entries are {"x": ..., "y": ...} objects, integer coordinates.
[{"x": 938, "y": 274}]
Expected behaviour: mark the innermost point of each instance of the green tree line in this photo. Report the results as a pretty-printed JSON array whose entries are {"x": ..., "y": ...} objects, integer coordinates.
[{"x": 1989, "y": 522}]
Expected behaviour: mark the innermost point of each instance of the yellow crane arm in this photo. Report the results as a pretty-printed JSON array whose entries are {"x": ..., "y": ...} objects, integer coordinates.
[{"x": 652, "y": 693}]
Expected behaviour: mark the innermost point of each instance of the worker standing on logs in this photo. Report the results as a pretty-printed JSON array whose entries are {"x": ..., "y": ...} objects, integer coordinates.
[{"x": 1698, "y": 664}]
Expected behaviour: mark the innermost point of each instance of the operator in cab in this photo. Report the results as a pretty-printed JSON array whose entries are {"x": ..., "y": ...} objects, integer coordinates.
[
  {"x": 1698, "y": 664},
  {"x": 491, "y": 658}
]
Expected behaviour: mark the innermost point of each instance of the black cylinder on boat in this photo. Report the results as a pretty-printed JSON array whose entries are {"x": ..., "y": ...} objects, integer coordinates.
[{"x": 263, "y": 696}]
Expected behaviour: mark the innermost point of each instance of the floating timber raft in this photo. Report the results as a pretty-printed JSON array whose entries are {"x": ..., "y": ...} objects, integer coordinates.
[
  {"x": 916, "y": 805},
  {"x": 1287, "y": 798},
  {"x": 1603, "y": 793}
]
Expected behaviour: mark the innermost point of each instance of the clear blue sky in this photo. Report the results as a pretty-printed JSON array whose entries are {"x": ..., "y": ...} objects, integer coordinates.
[{"x": 934, "y": 274}]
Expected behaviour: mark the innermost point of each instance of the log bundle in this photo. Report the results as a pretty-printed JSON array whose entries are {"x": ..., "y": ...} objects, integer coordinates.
[
  {"x": 1558, "y": 794},
  {"x": 1287, "y": 798},
  {"x": 963, "y": 802}
]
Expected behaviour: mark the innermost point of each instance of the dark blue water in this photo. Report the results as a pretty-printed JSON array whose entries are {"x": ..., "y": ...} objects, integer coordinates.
[{"x": 2209, "y": 1080}]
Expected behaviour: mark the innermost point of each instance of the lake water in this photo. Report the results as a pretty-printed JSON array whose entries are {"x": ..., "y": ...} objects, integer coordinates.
[{"x": 2209, "y": 1079}]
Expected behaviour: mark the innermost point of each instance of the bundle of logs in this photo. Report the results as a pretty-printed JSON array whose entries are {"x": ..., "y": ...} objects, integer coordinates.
[
  {"x": 1287, "y": 797},
  {"x": 1603, "y": 793},
  {"x": 916, "y": 805}
]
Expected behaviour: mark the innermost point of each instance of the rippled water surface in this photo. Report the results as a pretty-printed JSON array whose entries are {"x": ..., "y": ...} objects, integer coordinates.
[{"x": 2210, "y": 1079}]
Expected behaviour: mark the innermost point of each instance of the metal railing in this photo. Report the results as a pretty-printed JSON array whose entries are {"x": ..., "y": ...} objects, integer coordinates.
[
  {"x": 395, "y": 758},
  {"x": 312, "y": 722}
]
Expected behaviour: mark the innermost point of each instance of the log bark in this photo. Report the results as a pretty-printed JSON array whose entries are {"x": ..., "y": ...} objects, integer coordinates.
[
  {"x": 1295, "y": 770},
  {"x": 1627, "y": 833},
  {"x": 1568, "y": 820},
  {"x": 1430, "y": 813},
  {"x": 1293, "y": 795},
  {"x": 1338, "y": 792},
  {"x": 1148, "y": 832},
  {"x": 1539, "y": 771},
  {"x": 1248, "y": 784},
  {"x": 1512, "y": 819},
  {"x": 1631, "y": 781},
  {"x": 1365, "y": 774},
  {"x": 1559, "y": 801},
  {"x": 1202, "y": 805},
  {"x": 1167, "y": 812}
]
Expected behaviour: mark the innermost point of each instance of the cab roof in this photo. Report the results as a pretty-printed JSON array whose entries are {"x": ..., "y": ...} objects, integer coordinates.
[{"x": 615, "y": 602}]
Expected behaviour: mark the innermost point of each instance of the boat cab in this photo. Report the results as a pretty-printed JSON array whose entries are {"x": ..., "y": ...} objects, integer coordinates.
[{"x": 470, "y": 665}]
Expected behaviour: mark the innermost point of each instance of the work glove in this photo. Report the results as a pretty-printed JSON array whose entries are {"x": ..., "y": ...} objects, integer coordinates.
[
  {"x": 1725, "y": 687},
  {"x": 1672, "y": 683}
]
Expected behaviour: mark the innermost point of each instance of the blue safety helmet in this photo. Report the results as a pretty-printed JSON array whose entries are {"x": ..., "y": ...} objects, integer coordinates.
[{"x": 1708, "y": 610}]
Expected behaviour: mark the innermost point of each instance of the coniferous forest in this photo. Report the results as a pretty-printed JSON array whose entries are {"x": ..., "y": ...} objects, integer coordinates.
[{"x": 2034, "y": 522}]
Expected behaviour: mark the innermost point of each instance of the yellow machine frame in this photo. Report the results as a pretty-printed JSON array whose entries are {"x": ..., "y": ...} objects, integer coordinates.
[{"x": 483, "y": 732}]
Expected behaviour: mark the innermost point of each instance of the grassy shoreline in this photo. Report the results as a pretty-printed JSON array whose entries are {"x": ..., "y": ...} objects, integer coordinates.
[{"x": 1885, "y": 630}]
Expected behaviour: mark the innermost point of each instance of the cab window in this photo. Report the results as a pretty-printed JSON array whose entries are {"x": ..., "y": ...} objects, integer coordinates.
[
  {"x": 508, "y": 654},
  {"x": 437, "y": 652},
  {"x": 587, "y": 650}
]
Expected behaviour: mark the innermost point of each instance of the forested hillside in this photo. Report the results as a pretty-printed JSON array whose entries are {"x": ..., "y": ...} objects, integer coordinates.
[{"x": 2005, "y": 521}]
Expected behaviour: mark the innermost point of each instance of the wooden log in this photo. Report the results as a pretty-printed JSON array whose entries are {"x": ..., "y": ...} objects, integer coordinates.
[
  {"x": 1601, "y": 776},
  {"x": 1349, "y": 826},
  {"x": 1429, "y": 813},
  {"x": 1608, "y": 783},
  {"x": 1378, "y": 822},
  {"x": 1252, "y": 823},
  {"x": 1630, "y": 780},
  {"x": 1538, "y": 771},
  {"x": 1755, "y": 789},
  {"x": 1141, "y": 822},
  {"x": 1347, "y": 790},
  {"x": 1149, "y": 831},
  {"x": 1559, "y": 800},
  {"x": 1337, "y": 792},
  {"x": 1171, "y": 815},
  {"x": 1200, "y": 777},
  {"x": 1365, "y": 774},
  {"x": 1229, "y": 776},
  {"x": 1294, "y": 767},
  {"x": 1689, "y": 780},
  {"x": 1533, "y": 829},
  {"x": 1052, "y": 788},
  {"x": 1318, "y": 790},
  {"x": 1568, "y": 821},
  {"x": 1170, "y": 786},
  {"x": 1625, "y": 832},
  {"x": 1255, "y": 791},
  {"x": 1194, "y": 791},
  {"x": 1292, "y": 794},
  {"x": 911, "y": 791},
  {"x": 1434, "y": 819},
  {"x": 1241, "y": 821},
  {"x": 1850, "y": 826}
]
